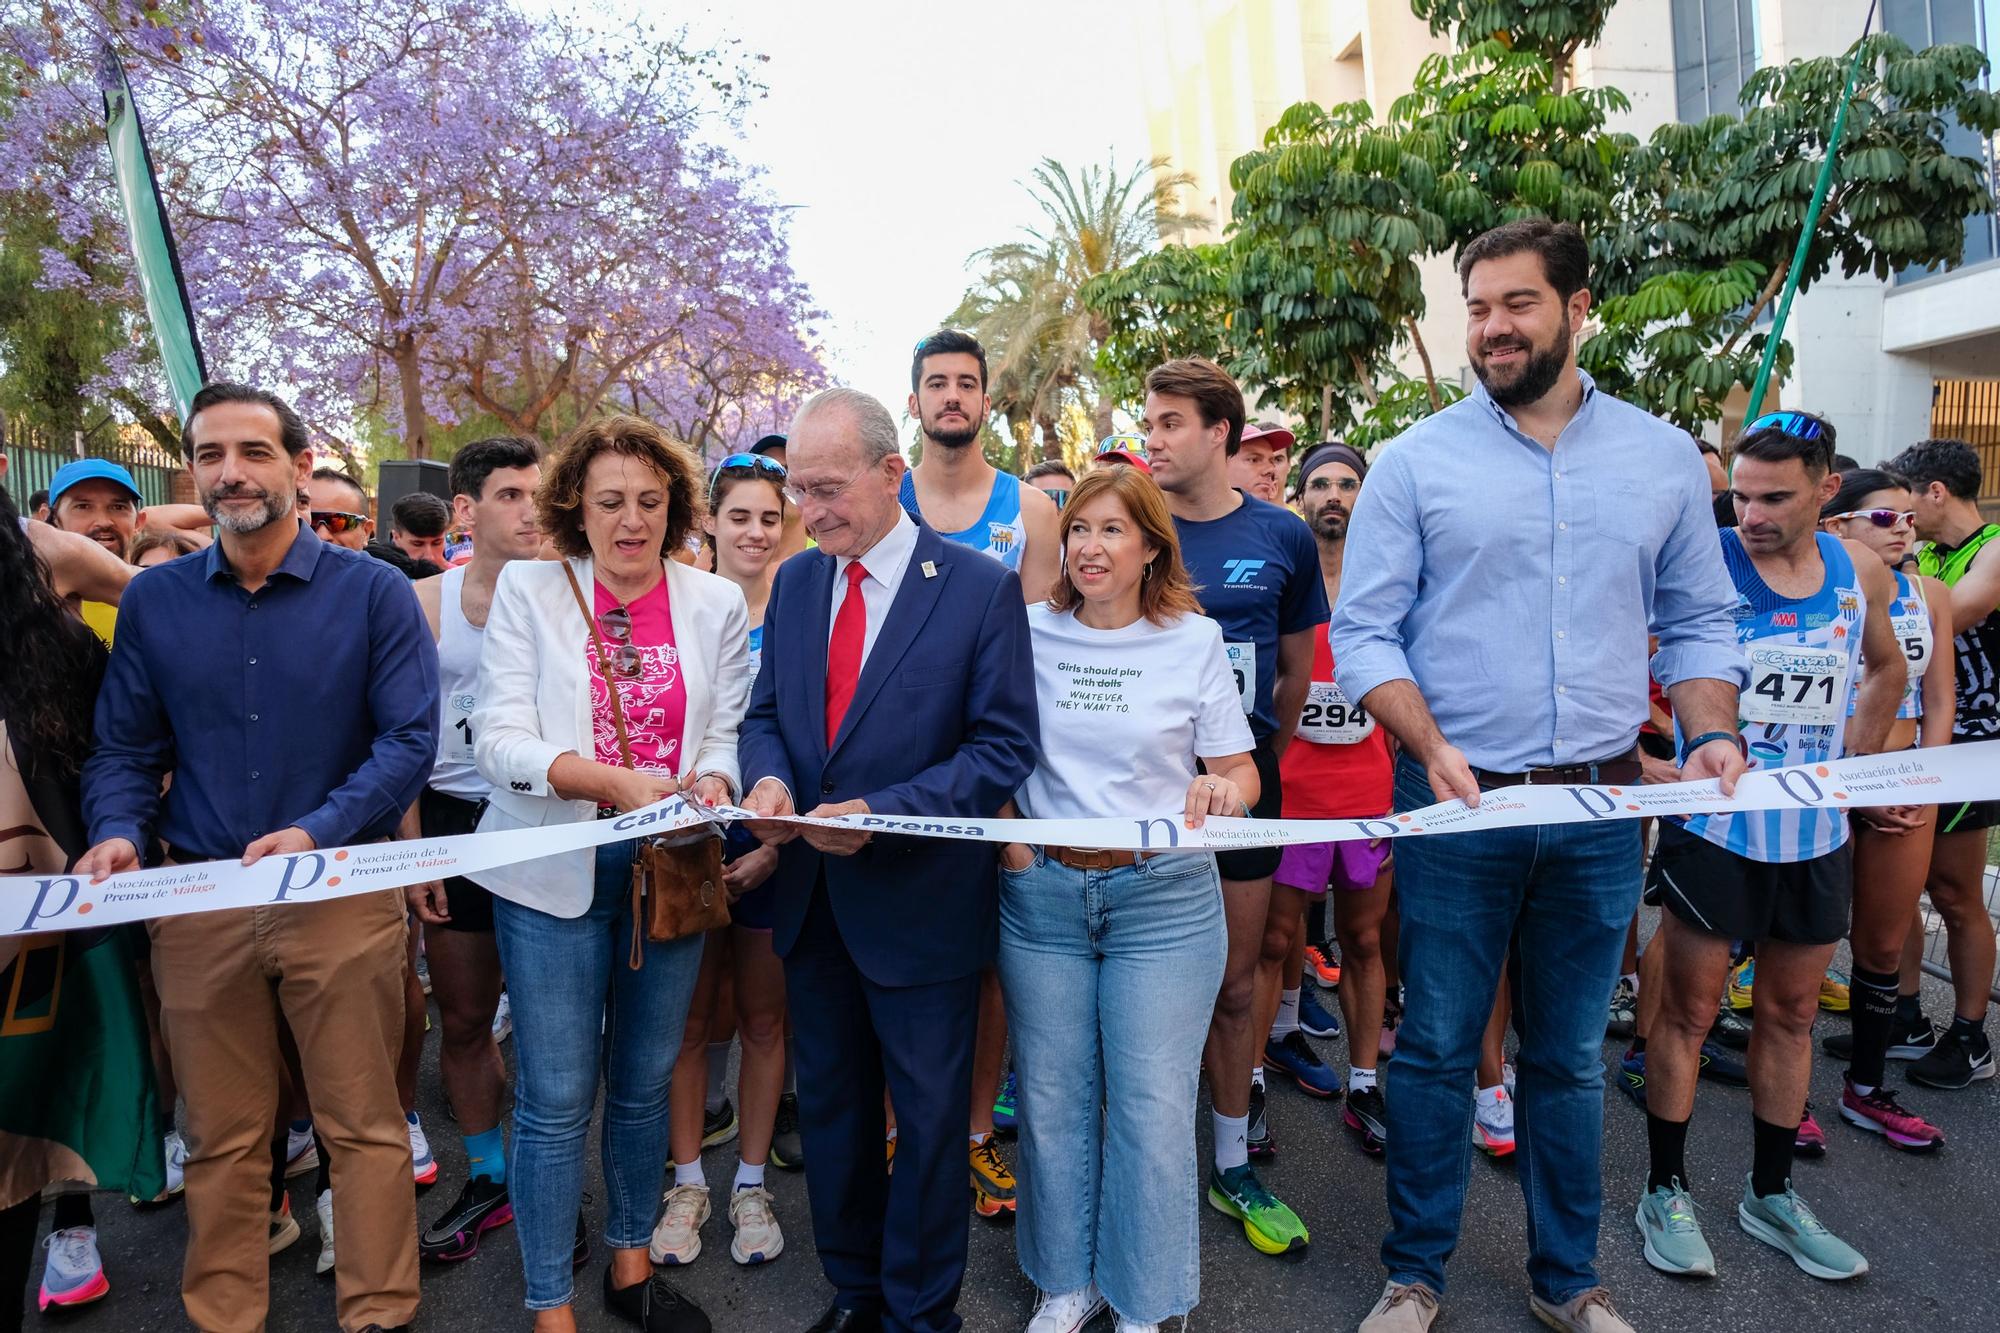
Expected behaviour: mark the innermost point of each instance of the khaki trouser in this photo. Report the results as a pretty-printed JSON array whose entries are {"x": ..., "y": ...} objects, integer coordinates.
[{"x": 335, "y": 971}]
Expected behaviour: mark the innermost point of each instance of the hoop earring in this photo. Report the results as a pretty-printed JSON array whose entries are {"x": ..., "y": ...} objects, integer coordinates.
[{"x": 1147, "y": 573}]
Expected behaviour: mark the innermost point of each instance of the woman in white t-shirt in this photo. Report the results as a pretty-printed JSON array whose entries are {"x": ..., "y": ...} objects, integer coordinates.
[{"x": 1111, "y": 960}]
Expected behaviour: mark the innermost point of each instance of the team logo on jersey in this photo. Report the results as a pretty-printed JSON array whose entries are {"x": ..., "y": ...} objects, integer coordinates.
[
  {"x": 1849, "y": 603},
  {"x": 1242, "y": 571},
  {"x": 1000, "y": 537},
  {"x": 1784, "y": 620}
]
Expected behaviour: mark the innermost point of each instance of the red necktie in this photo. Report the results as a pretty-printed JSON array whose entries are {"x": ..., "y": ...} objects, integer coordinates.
[{"x": 843, "y": 651}]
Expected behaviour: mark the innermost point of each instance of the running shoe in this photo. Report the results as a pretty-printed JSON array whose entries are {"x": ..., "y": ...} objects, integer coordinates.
[
  {"x": 422, "y": 1163},
  {"x": 720, "y": 1125},
  {"x": 757, "y": 1238},
  {"x": 1911, "y": 1039},
  {"x": 1730, "y": 1030},
  {"x": 787, "y": 1151},
  {"x": 481, "y": 1206},
  {"x": 1404, "y": 1307},
  {"x": 1270, "y": 1226},
  {"x": 424, "y": 973},
  {"x": 1368, "y": 1116},
  {"x": 1811, "y": 1139},
  {"x": 1315, "y": 1020},
  {"x": 1632, "y": 1077},
  {"x": 1323, "y": 966},
  {"x": 503, "y": 1019},
  {"x": 1007, "y": 1107},
  {"x": 1835, "y": 995},
  {"x": 74, "y": 1273},
  {"x": 1742, "y": 978},
  {"x": 992, "y": 1181},
  {"x": 1257, "y": 1136},
  {"x": 1507, "y": 1076},
  {"x": 323, "y": 1209},
  {"x": 1493, "y": 1123},
  {"x": 1068, "y": 1312},
  {"x": 677, "y": 1237},
  {"x": 1624, "y": 1010},
  {"x": 1718, "y": 1066},
  {"x": 1671, "y": 1234},
  {"x": 1784, "y": 1222},
  {"x": 1880, "y": 1113},
  {"x": 1957, "y": 1063},
  {"x": 301, "y": 1153},
  {"x": 284, "y": 1227},
  {"x": 177, "y": 1155},
  {"x": 1293, "y": 1055}
]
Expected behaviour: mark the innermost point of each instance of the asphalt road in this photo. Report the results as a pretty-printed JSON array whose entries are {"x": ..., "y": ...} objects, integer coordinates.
[{"x": 1927, "y": 1224}]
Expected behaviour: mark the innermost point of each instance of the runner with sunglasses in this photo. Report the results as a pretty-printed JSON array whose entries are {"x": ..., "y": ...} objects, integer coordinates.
[
  {"x": 1872, "y": 509},
  {"x": 954, "y": 490},
  {"x": 1963, "y": 551},
  {"x": 339, "y": 509}
]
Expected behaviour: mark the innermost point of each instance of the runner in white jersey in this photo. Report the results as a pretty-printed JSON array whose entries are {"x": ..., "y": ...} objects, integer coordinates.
[
  {"x": 965, "y": 499},
  {"x": 493, "y": 501},
  {"x": 1873, "y": 509},
  {"x": 1809, "y": 607}
]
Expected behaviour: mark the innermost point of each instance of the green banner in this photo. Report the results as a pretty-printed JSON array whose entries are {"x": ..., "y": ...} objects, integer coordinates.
[{"x": 153, "y": 255}]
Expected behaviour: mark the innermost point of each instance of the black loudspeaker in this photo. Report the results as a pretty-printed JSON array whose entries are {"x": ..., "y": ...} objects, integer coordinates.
[{"x": 399, "y": 477}]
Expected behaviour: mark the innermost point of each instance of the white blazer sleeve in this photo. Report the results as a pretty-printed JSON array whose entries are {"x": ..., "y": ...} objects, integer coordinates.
[
  {"x": 731, "y": 658},
  {"x": 508, "y": 746}
]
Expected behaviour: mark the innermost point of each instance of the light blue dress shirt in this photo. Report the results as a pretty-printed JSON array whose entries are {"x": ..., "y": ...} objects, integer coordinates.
[{"x": 1516, "y": 585}]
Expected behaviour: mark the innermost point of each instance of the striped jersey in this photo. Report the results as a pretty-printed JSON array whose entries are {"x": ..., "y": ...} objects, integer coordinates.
[
  {"x": 999, "y": 532},
  {"x": 1804, "y": 655}
]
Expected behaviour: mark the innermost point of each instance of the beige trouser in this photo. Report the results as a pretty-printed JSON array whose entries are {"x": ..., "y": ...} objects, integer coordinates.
[{"x": 335, "y": 972}]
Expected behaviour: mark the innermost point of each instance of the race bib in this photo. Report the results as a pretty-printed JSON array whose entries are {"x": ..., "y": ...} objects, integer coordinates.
[
  {"x": 1243, "y": 665},
  {"x": 1913, "y": 632},
  {"x": 455, "y": 745},
  {"x": 1329, "y": 719},
  {"x": 1795, "y": 686}
]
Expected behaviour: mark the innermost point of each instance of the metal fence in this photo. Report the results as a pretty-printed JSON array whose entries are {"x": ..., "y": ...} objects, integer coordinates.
[
  {"x": 1936, "y": 962},
  {"x": 32, "y": 460}
]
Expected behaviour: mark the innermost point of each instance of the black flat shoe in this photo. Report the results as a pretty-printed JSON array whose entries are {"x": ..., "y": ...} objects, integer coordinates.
[
  {"x": 837, "y": 1320},
  {"x": 655, "y": 1305}
]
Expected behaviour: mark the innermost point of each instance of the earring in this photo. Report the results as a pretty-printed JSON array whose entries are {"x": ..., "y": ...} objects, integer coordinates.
[{"x": 1147, "y": 572}]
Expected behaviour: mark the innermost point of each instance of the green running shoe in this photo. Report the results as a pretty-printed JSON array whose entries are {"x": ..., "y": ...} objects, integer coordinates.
[
  {"x": 1271, "y": 1227},
  {"x": 1784, "y": 1222},
  {"x": 1674, "y": 1243}
]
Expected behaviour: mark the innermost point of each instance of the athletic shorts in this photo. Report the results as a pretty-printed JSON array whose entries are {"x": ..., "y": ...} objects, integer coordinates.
[
  {"x": 1967, "y": 816},
  {"x": 1257, "y": 862},
  {"x": 1351, "y": 866},
  {"x": 442, "y": 815},
  {"x": 1733, "y": 897}
]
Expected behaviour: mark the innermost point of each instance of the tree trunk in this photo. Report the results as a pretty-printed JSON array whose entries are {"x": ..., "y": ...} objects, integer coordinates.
[
  {"x": 1326, "y": 411},
  {"x": 410, "y": 376},
  {"x": 1101, "y": 418},
  {"x": 1051, "y": 440},
  {"x": 1424, "y": 355}
]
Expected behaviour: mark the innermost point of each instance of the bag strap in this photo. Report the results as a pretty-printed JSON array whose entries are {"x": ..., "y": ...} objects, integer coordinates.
[{"x": 637, "y": 958}]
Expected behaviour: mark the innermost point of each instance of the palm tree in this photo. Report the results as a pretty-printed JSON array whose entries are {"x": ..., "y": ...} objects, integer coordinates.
[{"x": 1040, "y": 337}]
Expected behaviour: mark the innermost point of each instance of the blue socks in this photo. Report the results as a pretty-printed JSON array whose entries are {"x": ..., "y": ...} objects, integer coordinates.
[{"x": 486, "y": 1155}]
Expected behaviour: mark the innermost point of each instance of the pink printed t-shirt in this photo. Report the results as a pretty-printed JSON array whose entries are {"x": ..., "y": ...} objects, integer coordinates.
[{"x": 654, "y": 701}]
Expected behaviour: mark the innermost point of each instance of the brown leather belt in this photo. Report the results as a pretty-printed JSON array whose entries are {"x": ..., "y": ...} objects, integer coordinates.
[
  {"x": 1619, "y": 770},
  {"x": 1094, "y": 858}
]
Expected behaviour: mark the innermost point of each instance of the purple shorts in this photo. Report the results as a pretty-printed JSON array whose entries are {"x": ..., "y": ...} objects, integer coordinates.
[{"x": 1310, "y": 866}]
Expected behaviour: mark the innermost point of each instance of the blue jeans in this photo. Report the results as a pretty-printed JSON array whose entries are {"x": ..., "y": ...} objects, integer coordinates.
[
  {"x": 1110, "y": 977},
  {"x": 1559, "y": 897},
  {"x": 564, "y": 979}
]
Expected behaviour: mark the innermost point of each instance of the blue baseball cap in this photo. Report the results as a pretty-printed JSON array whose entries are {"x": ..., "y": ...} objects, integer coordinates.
[{"x": 89, "y": 469}]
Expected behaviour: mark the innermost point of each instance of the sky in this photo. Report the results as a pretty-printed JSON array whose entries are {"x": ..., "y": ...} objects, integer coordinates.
[{"x": 901, "y": 132}]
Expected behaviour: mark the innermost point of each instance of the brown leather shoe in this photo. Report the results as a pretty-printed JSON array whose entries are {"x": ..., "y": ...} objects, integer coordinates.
[{"x": 1405, "y": 1307}]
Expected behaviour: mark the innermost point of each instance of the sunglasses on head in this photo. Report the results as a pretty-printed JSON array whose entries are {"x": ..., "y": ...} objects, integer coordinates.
[
  {"x": 336, "y": 521},
  {"x": 757, "y": 461},
  {"x": 1795, "y": 424},
  {"x": 1125, "y": 444},
  {"x": 1881, "y": 518}
]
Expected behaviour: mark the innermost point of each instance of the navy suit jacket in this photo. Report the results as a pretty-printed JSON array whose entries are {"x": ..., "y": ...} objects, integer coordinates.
[{"x": 943, "y": 722}]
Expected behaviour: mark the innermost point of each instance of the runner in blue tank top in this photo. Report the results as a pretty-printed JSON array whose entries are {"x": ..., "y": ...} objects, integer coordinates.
[{"x": 1810, "y": 608}]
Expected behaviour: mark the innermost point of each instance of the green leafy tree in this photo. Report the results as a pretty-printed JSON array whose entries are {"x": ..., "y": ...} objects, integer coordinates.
[
  {"x": 1171, "y": 303},
  {"x": 1555, "y": 30}
]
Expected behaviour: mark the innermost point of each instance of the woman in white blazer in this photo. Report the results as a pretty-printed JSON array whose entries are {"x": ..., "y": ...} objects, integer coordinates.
[{"x": 619, "y": 495}]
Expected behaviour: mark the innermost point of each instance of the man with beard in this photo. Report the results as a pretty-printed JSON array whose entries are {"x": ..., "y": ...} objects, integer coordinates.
[
  {"x": 954, "y": 490},
  {"x": 98, "y": 500},
  {"x": 1520, "y": 544},
  {"x": 307, "y": 719}
]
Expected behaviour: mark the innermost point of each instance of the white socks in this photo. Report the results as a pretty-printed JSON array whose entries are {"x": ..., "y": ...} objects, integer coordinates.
[
  {"x": 748, "y": 1177},
  {"x": 689, "y": 1173},
  {"x": 1232, "y": 1140},
  {"x": 1287, "y": 1021},
  {"x": 1360, "y": 1080}
]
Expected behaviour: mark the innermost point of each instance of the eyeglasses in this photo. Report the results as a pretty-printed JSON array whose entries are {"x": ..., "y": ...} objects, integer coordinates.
[
  {"x": 616, "y": 625},
  {"x": 336, "y": 521},
  {"x": 1795, "y": 424},
  {"x": 1134, "y": 445},
  {"x": 1060, "y": 497},
  {"x": 1881, "y": 518},
  {"x": 757, "y": 461},
  {"x": 822, "y": 492}
]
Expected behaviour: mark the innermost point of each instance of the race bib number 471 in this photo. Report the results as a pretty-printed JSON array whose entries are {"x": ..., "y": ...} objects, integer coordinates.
[{"x": 1801, "y": 686}]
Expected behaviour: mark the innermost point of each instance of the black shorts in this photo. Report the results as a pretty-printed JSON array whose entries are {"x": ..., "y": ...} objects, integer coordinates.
[
  {"x": 1257, "y": 862},
  {"x": 441, "y": 815},
  {"x": 1968, "y": 816},
  {"x": 1733, "y": 897}
]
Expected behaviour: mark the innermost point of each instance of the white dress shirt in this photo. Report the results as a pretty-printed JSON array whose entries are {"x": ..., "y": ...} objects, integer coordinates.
[{"x": 885, "y": 562}]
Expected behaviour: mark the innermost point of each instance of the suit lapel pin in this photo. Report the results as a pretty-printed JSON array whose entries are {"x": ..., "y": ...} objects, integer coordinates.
[{"x": 930, "y": 570}]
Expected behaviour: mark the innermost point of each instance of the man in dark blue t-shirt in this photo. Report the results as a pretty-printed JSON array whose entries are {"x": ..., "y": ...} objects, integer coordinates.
[{"x": 1256, "y": 569}]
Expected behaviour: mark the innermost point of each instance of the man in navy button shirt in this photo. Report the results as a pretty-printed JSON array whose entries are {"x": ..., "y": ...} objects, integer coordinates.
[{"x": 291, "y": 690}]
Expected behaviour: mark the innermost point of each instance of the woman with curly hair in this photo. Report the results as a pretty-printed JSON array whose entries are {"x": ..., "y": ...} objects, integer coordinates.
[{"x": 583, "y": 714}]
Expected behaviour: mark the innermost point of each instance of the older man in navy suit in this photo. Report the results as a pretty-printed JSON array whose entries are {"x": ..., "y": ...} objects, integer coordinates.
[{"x": 896, "y": 679}]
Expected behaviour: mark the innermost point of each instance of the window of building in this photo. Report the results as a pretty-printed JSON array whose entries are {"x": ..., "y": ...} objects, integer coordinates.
[
  {"x": 1715, "y": 51},
  {"x": 1924, "y": 23},
  {"x": 1969, "y": 410}
]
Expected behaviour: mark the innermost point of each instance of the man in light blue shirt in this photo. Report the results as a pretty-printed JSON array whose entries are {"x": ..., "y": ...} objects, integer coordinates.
[{"x": 1508, "y": 560}]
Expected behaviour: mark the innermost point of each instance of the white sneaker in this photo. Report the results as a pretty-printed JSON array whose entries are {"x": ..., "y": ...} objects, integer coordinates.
[
  {"x": 503, "y": 1019},
  {"x": 323, "y": 1206},
  {"x": 74, "y": 1273},
  {"x": 1493, "y": 1121},
  {"x": 1068, "y": 1312},
  {"x": 177, "y": 1155},
  {"x": 422, "y": 1164},
  {"x": 301, "y": 1153},
  {"x": 1507, "y": 1077},
  {"x": 677, "y": 1239},
  {"x": 758, "y": 1239},
  {"x": 1128, "y": 1326}
]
